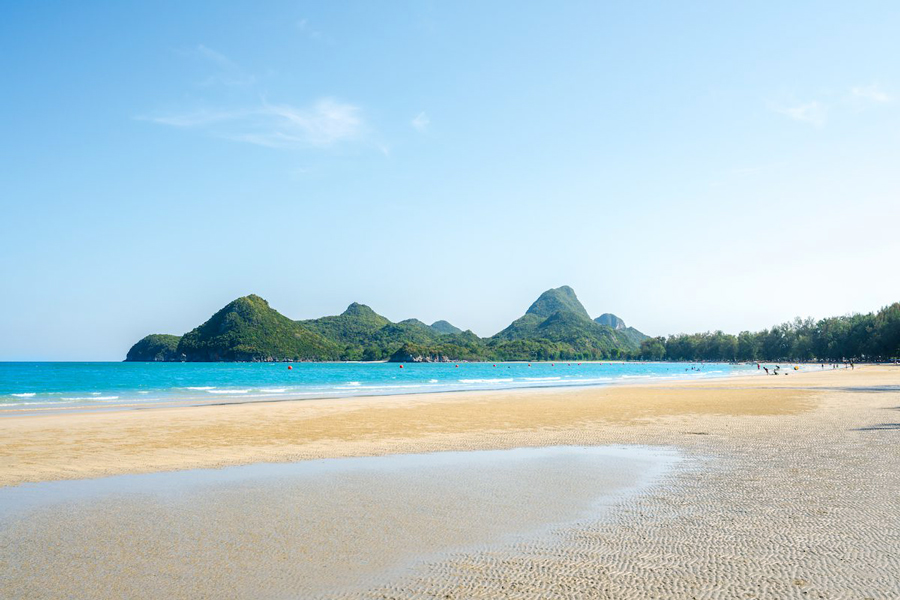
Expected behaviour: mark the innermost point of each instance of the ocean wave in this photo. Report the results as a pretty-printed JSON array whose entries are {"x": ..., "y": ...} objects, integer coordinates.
[
  {"x": 24, "y": 395},
  {"x": 214, "y": 391},
  {"x": 77, "y": 398},
  {"x": 353, "y": 383},
  {"x": 380, "y": 387},
  {"x": 542, "y": 378},
  {"x": 486, "y": 380},
  {"x": 273, "y": 390},
  {"x": 202, "y": 388},
  {"x": 432, "y": 381}
]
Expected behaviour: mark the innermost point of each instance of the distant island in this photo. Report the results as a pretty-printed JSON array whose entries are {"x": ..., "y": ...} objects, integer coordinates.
[{"x": 555, "y": 327}]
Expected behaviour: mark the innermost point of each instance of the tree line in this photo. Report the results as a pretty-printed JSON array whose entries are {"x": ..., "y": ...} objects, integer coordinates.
[{"x": 868, "y": 337}]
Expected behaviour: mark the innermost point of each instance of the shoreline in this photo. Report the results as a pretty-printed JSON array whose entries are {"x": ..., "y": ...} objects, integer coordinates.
[
  {"x": 47, "y": 447},
  {"x": 23, "y": 409},
  {"x": 785, "y": 488}
]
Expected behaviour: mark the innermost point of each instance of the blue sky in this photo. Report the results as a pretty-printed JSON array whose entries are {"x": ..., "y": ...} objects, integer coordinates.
[{"x": 688, "y": 166}]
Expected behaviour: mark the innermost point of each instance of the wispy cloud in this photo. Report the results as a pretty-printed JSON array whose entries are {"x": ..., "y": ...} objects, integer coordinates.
[
  {"x": 814, "y": 113},
  {"x": 304, "y": 27},
  {"x": 227, "y": 72},
  {"x": 197, "y": 118},
  {"x": 324, "y": 123},
  {"x": 872, "y": 93},
  {"x": 421, "y": 122}
]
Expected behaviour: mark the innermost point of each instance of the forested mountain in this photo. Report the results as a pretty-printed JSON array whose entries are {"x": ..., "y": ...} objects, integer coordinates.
[
  {"x": 873, "y": 336},
  {"x": 156, "y": 347},
  {"x": 445, "y": 327},
  {"x": 610, "y": 320},
  {"x": 248, "y": 329},
  {"x": 556, "y": 326}
]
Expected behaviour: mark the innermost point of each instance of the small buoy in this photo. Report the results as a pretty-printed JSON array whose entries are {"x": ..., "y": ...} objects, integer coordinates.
[
  {"x": 495, "y": 365},
  {"x": 457, "y": 366},
  {"x": 529, "y": 364},
  {"x": 401, "y": 366},
  {"x": 290, "y": 367}
]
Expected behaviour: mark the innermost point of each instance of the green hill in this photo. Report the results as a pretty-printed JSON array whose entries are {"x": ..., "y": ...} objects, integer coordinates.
[
  {"x": 248, "y": 329},
  {"x": 443, "y": 327},
  {"x": 156, "y": 347},
  {"x": 634, "y": 336},
  {"x": 353, "y": 326},
  {"x": 556, "y": 326},
  {"x": 610, "y": 320},
  {"x": 362, "y": 334},
  {"x": 556, "y": 300}
]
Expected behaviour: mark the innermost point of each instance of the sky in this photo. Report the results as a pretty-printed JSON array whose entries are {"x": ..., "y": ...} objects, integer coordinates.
[{"x": 688, "y": 166}]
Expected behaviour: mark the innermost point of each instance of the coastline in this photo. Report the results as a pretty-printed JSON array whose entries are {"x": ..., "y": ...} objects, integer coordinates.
[
  {"x": 39, "y": 388},
  {"x": 120, "y": 441},
  {"x": 786, "y": 488}
]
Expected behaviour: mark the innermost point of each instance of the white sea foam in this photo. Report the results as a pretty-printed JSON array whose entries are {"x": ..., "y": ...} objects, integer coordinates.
[
  {"x": 486, "y": 380},
  {"x": 76, "y": 398},
  {"x": 24, "y": 395},
  {"x": 353, "y": 383},
  {"x": 201, "y": 388},
  {"x": 215, "y": 391},
  {"x": 143, "y": 392},
  {"x": 273, "y": 390},
  {"x": 542, "y": 378},
  {"x": 432, "y": 381},
  {"x": 380, "y": 387}
]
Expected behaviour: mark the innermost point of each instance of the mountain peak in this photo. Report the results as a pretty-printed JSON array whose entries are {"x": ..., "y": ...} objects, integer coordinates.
[
  {"x": 358, "y": 310},
  {"x": 444, "y": 327},
  {"x": 610, "y": 320},
  {"x": 556, "y": 300},
  {"x": 413, "y": 322}
]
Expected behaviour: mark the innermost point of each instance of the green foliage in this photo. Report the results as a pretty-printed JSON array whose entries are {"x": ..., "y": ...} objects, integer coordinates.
[
  {"x": 247, "y": 329},
  {"x": 610, "y": 320},
  {"x": 458, "y": 349},
  {"x": 873, "y": 336},
  {"x": 156, "y": 347},
  {"x": 351, "y": 327},
  {"x": 561, "y": 299},
  {"x": 556, "y": 327},
  {"x": 443, "y": 327}
]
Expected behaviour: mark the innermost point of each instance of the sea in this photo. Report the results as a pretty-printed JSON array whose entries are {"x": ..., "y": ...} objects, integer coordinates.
[{"x": 43, "y": 386}]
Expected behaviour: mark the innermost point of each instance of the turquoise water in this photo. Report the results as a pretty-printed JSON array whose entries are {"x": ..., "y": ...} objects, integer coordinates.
[{"x": 25, "y": 386}]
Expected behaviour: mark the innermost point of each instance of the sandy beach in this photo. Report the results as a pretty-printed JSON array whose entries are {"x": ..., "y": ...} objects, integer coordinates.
[{"x": 790, "y": 485}]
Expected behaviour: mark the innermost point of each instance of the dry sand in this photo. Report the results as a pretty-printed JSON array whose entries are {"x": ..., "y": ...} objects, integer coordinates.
[
  {"x": 792, "y": 490},
  {"x": 80, "y": 445}
]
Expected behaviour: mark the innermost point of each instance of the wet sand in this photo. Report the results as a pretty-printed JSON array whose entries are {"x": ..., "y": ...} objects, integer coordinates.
[
  {"x": 296, "y": 530},
  {"x": 790, "y": 486}
]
